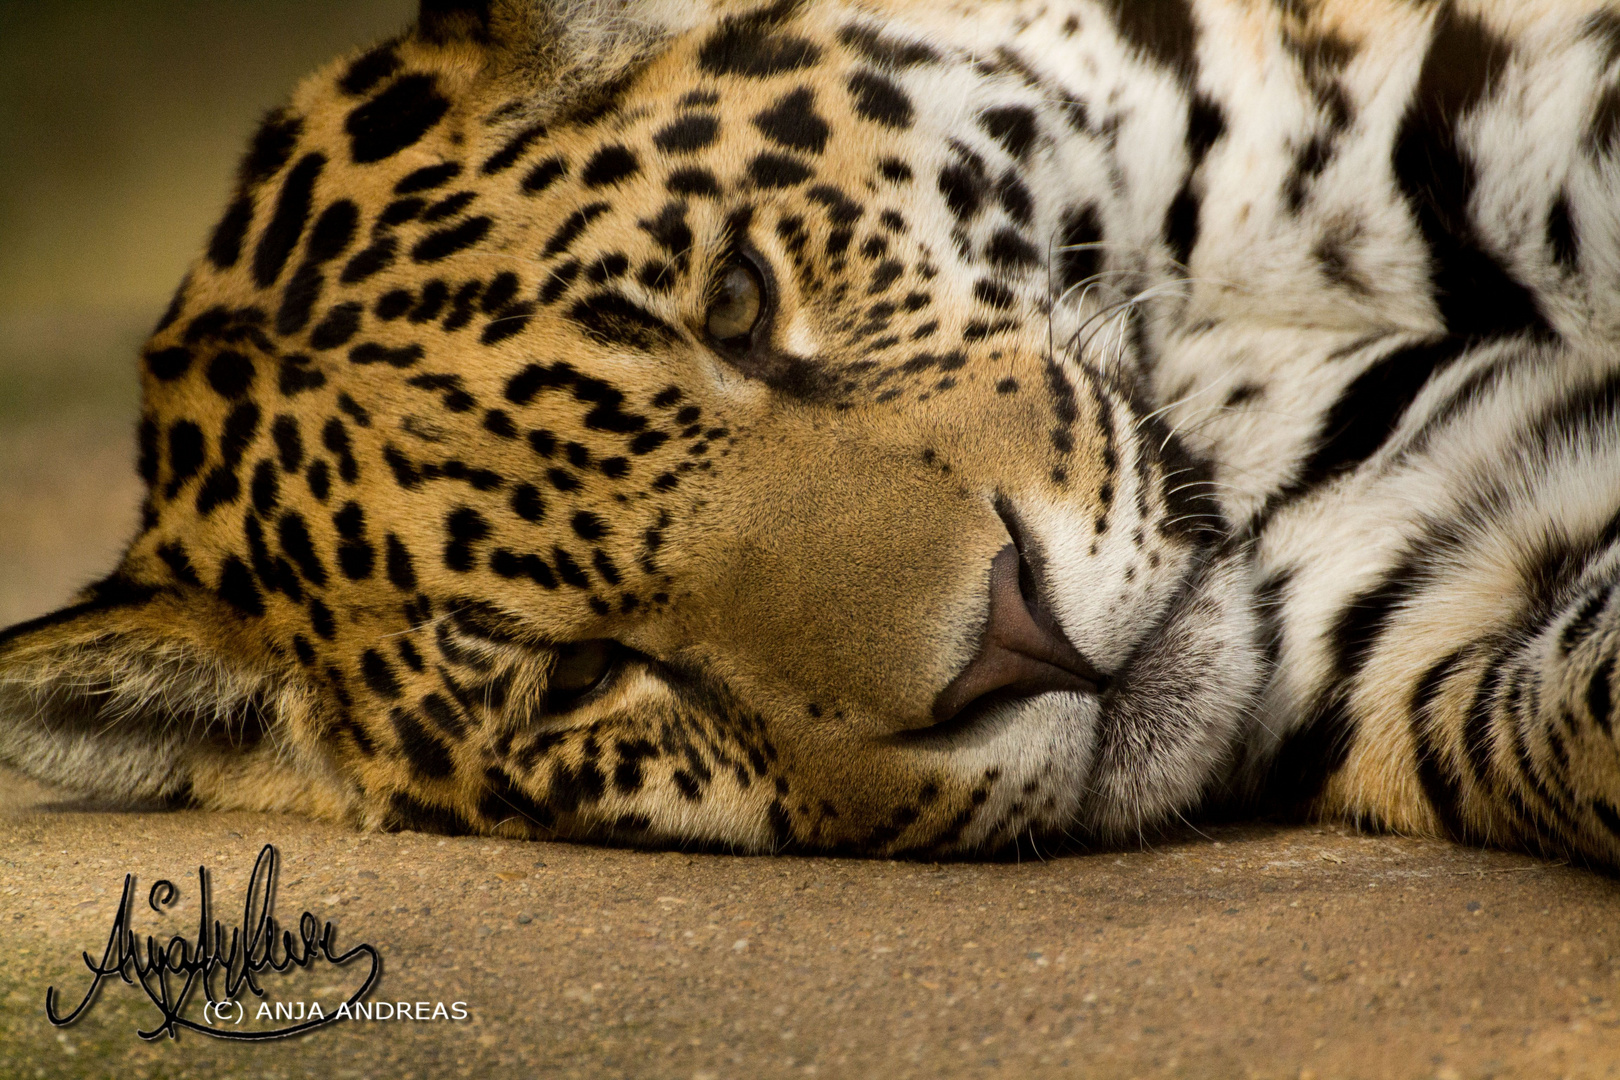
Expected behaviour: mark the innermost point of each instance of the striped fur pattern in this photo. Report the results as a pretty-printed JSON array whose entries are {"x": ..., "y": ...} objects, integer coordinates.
[{"x": 1249, "y": 366}]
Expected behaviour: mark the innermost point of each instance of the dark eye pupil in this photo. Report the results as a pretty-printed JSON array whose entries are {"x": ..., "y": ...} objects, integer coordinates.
[
  {"x": 737, "y": 304},
  {"x": 580, "y": 667}
]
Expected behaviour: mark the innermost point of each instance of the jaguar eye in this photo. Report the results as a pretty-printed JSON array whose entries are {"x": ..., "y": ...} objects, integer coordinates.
[
  {"x": 580, "y": 667},
  {"x": 738, "y": 303}
]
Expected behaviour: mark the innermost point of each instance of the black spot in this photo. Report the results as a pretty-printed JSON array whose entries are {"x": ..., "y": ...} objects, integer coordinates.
[
  {"x": 1015, "y": 198},
  {"x": 356, "y": 559},
  {"x": 395, "y": 119},
  {"x": 435, "y": 295},
  {"x": 502, "y": 289},
  {"x": 445, "y": 715},
  {"x": 569, "y": 570},
  {"x": 527, "y": 503},
  {"x": 1181, "y": 223},
  {"x": 266, "y": 487},
  {"x": 1475, "y": 292},
  {"x": 647, "y": 442},
  {"x": 753, "y": 46},
  {"x": 570, "y": 229},
  {"x": 609, "y": 165},
  {"x": 427, "y": 178},
  {"x": 230, "y": 374},
  {"x": 319, "y": 477},
  {"x": 516, "y": 147},
  {"x": 179, "y": 563},
  {"x": 1206, "y": 125},
  {"x": 448, "y": 207},
  {"x": 289, "y": 446},
  {"x": 167, "y": 365},
  {"x": 841, "y": 209},
  {"x": 445, "y": 242},
  {"x": 963, "y": 186},
  {"x": 589, "y": 526},
  {"x": 522, "y": 387},
  {"x": 401, "y": 567},
  {"x": 669, "y": 228},
  {"x": 298, "y": 299},
  {"x": 608, "y": 415},
  {"x": 321, "y": 620},
  {"x": 777, "y": 171},
  {"x": 400, "y": 211},
  {"x": 993, "y": 294},
  {"x": 271, "y": 148},
  {"x": 1162, "y": 30},
  {"x": 240, "y": 427},
  {"x": 225, "y": 245},
  {"x": 237, "y": 589},
  {"x": 608, "y": 268},
  {"x": 461, "y": 306},
  {"x": 370, "y": 260},
  {"x": 1309, "y": 163},
  {"x": 1599, "y": 701},
  {"x": 1562, "y": 239},
  {"x": 286, "y": 225},
  {"x": 220, "y": 487},
  {"x": 370, "y": 69},
  {"x": 688, "y": 133},
  {"x": 341, "y": 323},
  {"x": 428, "y": 757},
  {"x": 465, "y": 527},
  {"x": 393, "y": 304},
  {"x": 692, "y": 183},
  {"x": 1078, "y": 258},
  {"x": 297, "y": 376},
  {"x": 1336, "y": 255},
  {"x": 335, "y": 437},
  {"x": 614, "y": 319},
  {"x": 379, "y": 675},
  {"x": 886, "y": 52},
  {"x": 1013, "y": 126},
  {"x": 1008, "y": 251},
  {"x": 792, "y": 122},
  {"x": 148, "y": 462},
  {"x": 544, "y": 175},
  {"x": 333, "y": 231},
  {"x": 371, "y": 352},
  {"x": 880, "y": 100}
]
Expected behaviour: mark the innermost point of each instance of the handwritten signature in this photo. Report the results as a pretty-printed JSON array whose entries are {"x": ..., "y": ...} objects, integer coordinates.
[{"x": 170, "y": 972}]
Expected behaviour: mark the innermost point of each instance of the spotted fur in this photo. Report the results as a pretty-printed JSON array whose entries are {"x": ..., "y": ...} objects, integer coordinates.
[{"x": 1277, "y": 340}]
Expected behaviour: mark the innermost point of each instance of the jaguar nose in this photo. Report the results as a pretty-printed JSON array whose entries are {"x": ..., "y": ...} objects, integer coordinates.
[{"x": 1023, "y": 651}]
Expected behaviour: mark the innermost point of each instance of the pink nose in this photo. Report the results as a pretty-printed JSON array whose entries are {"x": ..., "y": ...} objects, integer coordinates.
[{"x": 1022, "y": 653}]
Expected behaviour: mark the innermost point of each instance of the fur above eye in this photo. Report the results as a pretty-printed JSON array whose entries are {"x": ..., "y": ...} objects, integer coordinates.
[
  {"x": 738, "y": 303},
  {"x": 580, "y": 668}
]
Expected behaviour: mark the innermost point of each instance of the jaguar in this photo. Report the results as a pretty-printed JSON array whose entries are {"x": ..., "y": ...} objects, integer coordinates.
[{"x": 887, "y": 427}]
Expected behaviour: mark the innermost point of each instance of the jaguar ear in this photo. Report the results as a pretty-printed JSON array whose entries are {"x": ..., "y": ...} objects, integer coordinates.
[
  {"x": 444, "y": 21},
  {"x": 138, "y": 696},
  {"x": 560, "y": 47}
]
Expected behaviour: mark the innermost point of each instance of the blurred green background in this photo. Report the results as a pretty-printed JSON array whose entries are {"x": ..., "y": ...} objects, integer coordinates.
[{"x": 120, "y": 125}]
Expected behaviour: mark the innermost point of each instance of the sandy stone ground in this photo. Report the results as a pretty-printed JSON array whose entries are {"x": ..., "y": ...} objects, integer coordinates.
[{"x": 1252, "y": 951}]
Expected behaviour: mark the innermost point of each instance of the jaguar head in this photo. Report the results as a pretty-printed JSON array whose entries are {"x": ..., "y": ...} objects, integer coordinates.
[{"x": 662, "y": 423}]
